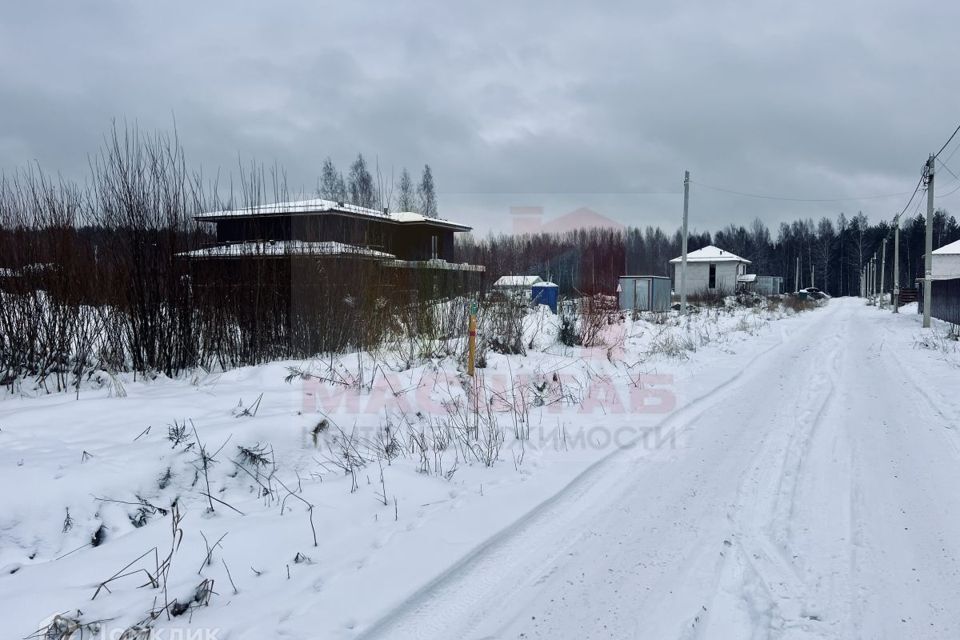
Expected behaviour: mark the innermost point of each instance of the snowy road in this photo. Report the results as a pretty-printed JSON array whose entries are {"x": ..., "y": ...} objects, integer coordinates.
[{"x": 815, "y": 495}]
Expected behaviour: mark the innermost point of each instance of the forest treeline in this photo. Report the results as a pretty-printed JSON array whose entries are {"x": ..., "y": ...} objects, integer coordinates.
[{"x": 831, "y": 252}]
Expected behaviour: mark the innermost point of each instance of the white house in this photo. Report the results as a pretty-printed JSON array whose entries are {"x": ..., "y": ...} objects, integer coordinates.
[
  {"x": 710, "y": 269},
  {"x": 946, "y": 261},
  {"x": 519, "y": 286}
]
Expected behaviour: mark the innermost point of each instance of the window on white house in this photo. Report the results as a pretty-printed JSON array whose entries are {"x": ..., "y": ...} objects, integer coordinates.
[{"x": 712, "y": 284}]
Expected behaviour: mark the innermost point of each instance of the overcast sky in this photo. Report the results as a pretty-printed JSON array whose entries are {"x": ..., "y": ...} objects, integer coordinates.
[{"x": 512, "y": 104}]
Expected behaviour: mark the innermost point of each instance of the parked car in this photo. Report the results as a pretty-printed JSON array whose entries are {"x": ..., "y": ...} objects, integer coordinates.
[{"x": 815, "y": 294}]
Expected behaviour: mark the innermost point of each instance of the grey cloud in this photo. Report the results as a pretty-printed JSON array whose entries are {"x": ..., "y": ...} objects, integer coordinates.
[{"x": 510, "y": 103}]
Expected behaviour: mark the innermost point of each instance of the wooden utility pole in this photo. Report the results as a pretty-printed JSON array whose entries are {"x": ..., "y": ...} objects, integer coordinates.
[
  {"x": 928, "y": 248},
  {"x": 683, "y": 244}
]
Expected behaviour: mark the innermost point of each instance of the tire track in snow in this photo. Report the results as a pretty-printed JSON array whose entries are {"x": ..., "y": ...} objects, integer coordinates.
[
  {"x": 498, "y": 568},
  {"x": 760, "y": 588}
]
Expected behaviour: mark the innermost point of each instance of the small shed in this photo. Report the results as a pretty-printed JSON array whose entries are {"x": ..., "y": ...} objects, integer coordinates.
[
  {"x": 644, "y": 293},
  {"x": 516, "y": 283},
  {"x": 545, "y": 293},
  {"x": 769, "y": 285},
  {"x": 515, "y": 286},
  {"x": 761, "y": 285}
]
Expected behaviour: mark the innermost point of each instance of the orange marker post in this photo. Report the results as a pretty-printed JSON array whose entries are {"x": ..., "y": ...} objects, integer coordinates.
[{"x": 473, "y": 338}]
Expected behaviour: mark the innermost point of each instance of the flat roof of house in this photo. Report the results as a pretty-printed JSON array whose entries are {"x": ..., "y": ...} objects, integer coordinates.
[
  {"x": 710, "y": 253},
  {"x": 284, "y": 248},
  {"x": 320, "y": 206}
]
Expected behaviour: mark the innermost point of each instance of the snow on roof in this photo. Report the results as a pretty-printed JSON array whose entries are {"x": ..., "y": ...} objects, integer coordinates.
[
  {"x": 319, "y": 205},
  {"x": 285, "y": 248},
  {"x": 517, "y": 281},
  {"x": 545, "y": 284},
  {"x": 949, "y": 249},
  {"x": 747, "y": 277},
  {"x": 711, "y": 253}
]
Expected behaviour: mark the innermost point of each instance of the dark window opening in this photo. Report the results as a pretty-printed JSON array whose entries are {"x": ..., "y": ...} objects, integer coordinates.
[{"x": 713, "y": 277}]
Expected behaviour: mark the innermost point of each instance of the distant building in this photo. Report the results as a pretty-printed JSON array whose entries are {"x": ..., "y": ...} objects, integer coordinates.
[
  {"x": 945, "y": 288},
  {"x": 644, "y": 293},
  {"x": 761, "y": 285},
  {"x": 402, "y": 249},
  {"x": 505, "y": 283},
  {"x": 517, "y": 286},
  {"x": 710, "y": 269},
  {"x": 946, "y": 261}
]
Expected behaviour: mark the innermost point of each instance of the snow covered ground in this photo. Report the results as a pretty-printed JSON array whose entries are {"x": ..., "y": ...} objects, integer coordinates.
[{"x": 755, "y": 474}]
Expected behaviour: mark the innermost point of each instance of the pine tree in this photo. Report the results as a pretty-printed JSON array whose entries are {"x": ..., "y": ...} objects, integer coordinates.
[
  {"x": 361, "y": 184},
  {"x": 406, "y": 199},
  {"x": 330, "y": 182},
  {"x": 427, "y": 194}
]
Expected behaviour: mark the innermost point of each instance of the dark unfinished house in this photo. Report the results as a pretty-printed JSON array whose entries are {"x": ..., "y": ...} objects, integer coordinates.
[{"x": 315, "y": 262}]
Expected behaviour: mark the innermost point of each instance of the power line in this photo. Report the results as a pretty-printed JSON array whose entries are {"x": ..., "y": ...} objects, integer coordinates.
[
  {"x": 949, "y": 140},
  {"x": 953, "y": 152},
  {"x": 914, "y": 195},
  {"x": 794, "y": 199},
  {"x": 948, "y": 193},
  {"x": 944, "y": 165}
]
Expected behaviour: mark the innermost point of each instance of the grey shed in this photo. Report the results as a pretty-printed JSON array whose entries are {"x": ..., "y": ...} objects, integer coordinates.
[{"x": 644, "y": 293}]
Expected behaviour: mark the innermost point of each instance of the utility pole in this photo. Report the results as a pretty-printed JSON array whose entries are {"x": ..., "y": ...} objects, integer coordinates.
[
  {"x": 874, "y": 276},
  {"x": 896, "y": 264},
  {"x": 883, "y": 271},
  {"x": 928, "y": 256},
  {"x": 796, "y": 276},
  {"x": 683, "y": 244}
]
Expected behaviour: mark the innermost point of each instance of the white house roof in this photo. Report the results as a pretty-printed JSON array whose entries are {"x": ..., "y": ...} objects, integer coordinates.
[
  {"x": 285, "y": 248},
  {"x": 517, "y": 281},
  {"x": 949, "y": 249},
  {"x": 321, "y": 206},
  {"x": 711, "y": 253}
]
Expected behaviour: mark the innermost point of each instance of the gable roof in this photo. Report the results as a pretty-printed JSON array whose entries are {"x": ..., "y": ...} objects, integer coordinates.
[
  {"x": 517, "y": 281},
  {"x": 710, "y": 253},
  {"x": 318, "y": 206},
  {"x": 948, "y": 249}
]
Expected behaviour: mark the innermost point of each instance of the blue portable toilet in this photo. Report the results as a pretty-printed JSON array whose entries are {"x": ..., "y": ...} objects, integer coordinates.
[{"x": 545, "y": 293}]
